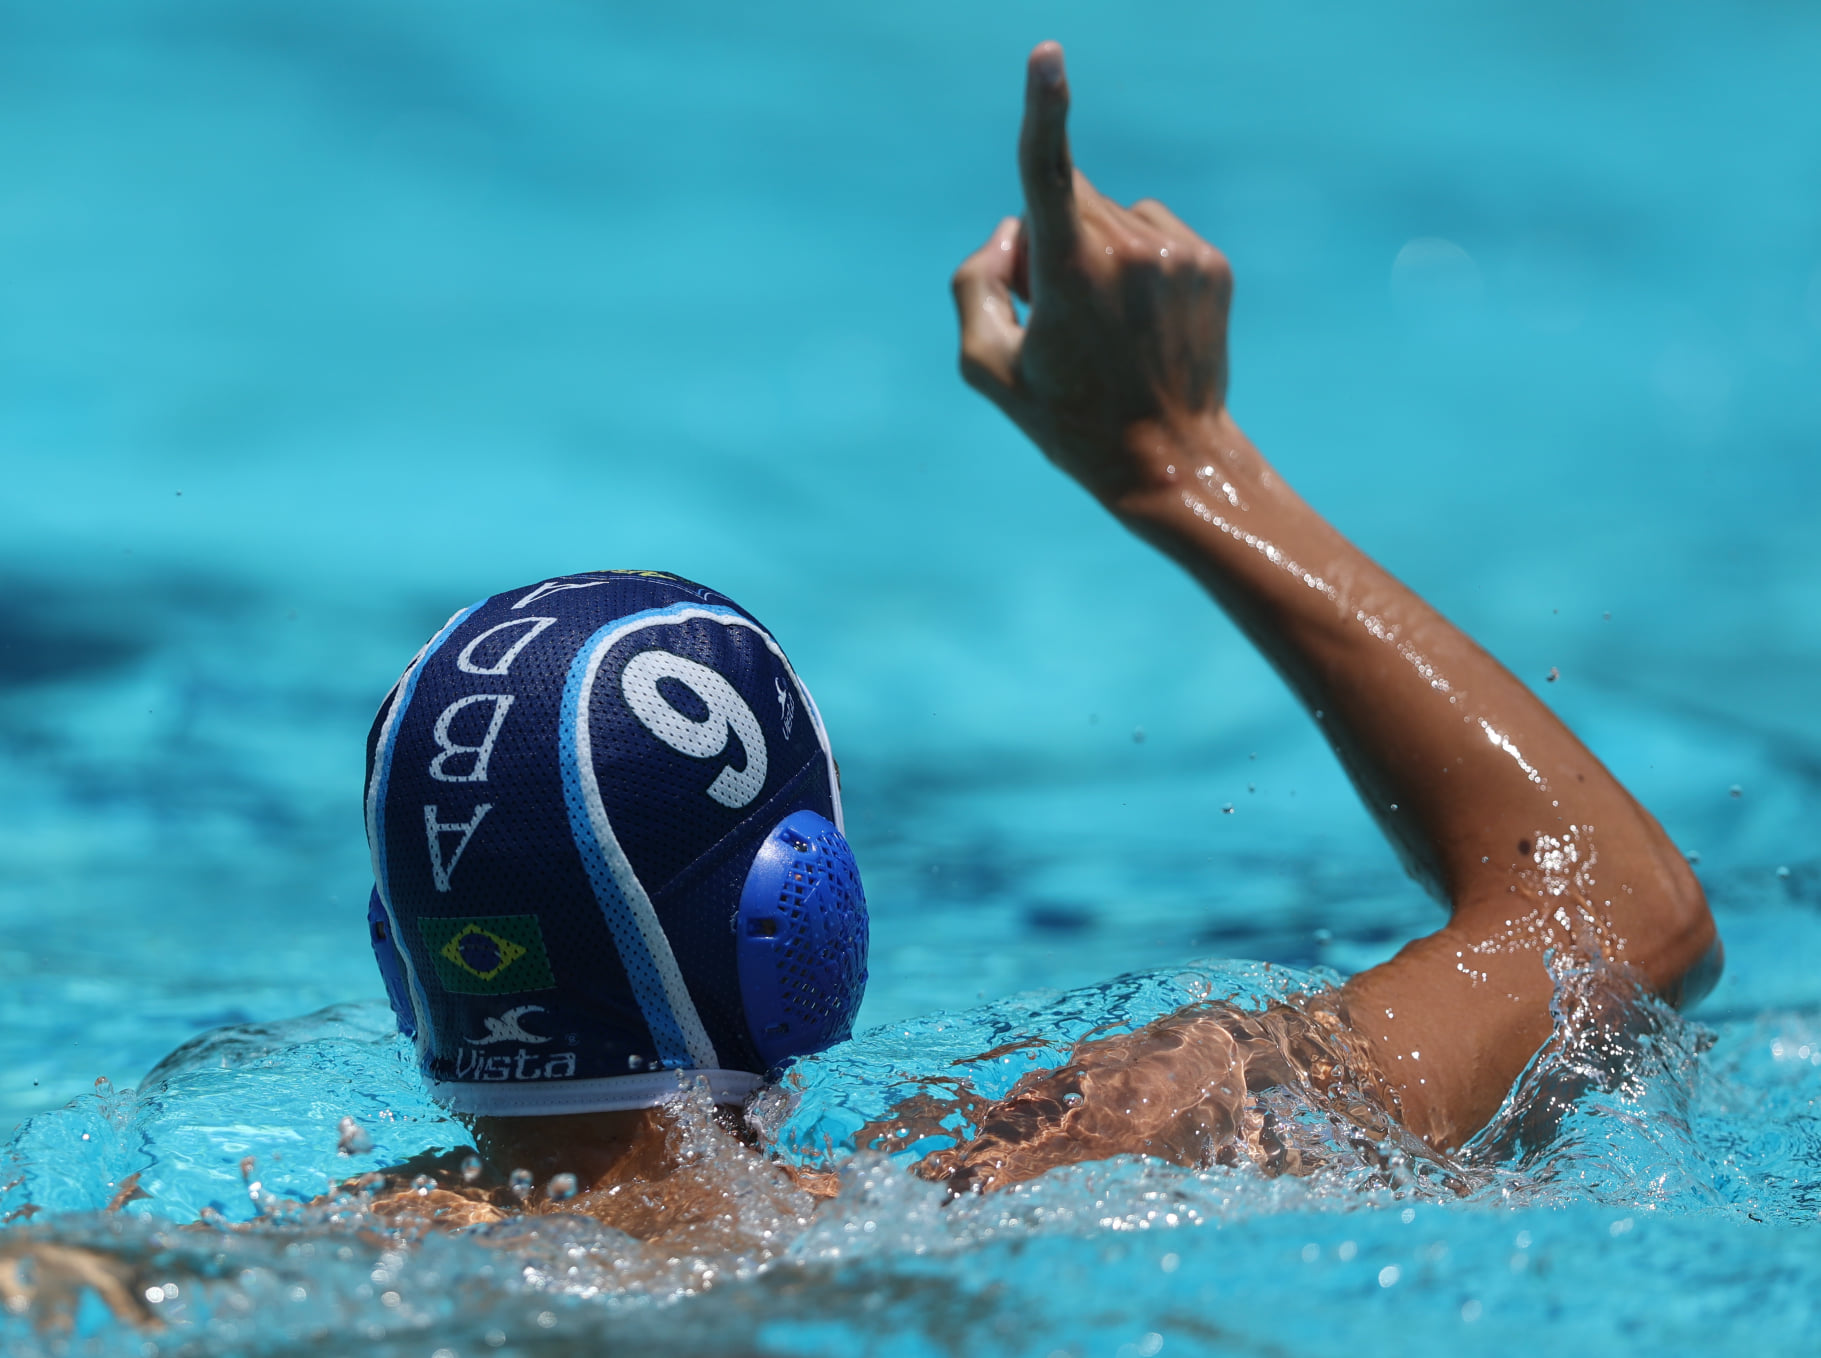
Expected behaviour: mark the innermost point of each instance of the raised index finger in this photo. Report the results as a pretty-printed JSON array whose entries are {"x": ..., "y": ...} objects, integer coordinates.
[{"x": 1043, "y": 159}]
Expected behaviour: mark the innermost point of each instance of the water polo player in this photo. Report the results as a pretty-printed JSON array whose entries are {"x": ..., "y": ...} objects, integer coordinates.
[{"x": 575, "y": 789}]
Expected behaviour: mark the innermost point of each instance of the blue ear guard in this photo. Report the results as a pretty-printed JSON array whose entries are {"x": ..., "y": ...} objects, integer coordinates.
[{"x": 801, "y": 939}]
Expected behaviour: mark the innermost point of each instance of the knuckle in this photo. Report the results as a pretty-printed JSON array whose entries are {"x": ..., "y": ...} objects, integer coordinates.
[
  {"x": 1213, "y": 263},
  {"x": 1118, "y": 240},
  {"x": 976, "y": 353},
  {"x": 975, "y": 373}
]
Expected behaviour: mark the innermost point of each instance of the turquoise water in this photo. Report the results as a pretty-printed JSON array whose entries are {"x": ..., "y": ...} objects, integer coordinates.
[{"x": 411, "y": 302}]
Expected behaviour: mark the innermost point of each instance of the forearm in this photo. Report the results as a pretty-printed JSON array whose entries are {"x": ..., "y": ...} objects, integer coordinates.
[
  {"x": 1488, "y": 798},
  {"x": 1465, "y": 769}
]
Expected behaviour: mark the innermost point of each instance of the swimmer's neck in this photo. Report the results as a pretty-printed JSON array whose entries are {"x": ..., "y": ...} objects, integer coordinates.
[{"x": 598, "y": 1148}]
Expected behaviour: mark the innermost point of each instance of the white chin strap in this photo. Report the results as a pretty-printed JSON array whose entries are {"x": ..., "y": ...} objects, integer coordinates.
[{"x": 616, "y": 1094}]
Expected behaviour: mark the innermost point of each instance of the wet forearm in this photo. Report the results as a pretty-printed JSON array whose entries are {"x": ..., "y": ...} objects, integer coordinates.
[{"x": 1460, "y": 764}]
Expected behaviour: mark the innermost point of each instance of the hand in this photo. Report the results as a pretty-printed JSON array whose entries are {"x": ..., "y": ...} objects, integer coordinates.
[
  {"x": 46, "y": 1282},
  {"x": 1124, "y": 353},
  {"x": 1174, "y": 1089}
]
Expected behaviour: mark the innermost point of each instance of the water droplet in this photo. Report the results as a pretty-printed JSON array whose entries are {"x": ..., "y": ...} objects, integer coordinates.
[
  {"x": 635, "y": 1062},
  {"x": 1138, "y": 735},
  {"x": 1735, "y": 791},
  {"x": 353, "y": 1139},
  {"x": 1782, "y": 872},
  {"x": 561, "y": 1188},
  {"x": 471, "y": 1169},
  {"x": 520, "y": 1183},
  {"x": 422, "y": 1185},
  {"x": 1070, "y": 1099}
]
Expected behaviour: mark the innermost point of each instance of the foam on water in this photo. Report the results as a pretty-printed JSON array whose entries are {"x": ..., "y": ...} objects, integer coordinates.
[{"x": 1634, "y": 1148}]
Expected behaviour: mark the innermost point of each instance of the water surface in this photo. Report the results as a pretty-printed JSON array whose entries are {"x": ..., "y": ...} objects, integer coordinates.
[{"x": 323, "y": 320}]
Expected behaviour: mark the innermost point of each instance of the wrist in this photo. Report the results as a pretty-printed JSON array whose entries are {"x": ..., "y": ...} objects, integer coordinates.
[{"x": 1172, "y": 462}]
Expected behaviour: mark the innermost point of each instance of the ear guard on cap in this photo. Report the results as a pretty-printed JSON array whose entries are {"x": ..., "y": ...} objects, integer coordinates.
[{"x": 801, "y": 937}]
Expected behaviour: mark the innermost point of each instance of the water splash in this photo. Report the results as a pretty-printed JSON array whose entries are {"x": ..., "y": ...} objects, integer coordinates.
[{"x": 1622, "y": 1128}]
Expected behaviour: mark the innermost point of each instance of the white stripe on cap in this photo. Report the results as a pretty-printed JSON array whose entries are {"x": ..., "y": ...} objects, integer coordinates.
[
  {"x": 400, "y": 698},
  {"x": 668, "y": 1007},
  {"x": 644, "y": 947}
]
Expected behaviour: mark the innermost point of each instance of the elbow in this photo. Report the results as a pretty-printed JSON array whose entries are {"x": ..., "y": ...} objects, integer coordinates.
[
  {"x": 1689, "y": 958},
  {"x": 1698, "y": 981}
]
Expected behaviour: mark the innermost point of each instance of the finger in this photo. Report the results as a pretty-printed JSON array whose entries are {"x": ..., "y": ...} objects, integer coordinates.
[
  {"x": 990, "y": 333},
  {"x": 1043, "y": 159},
  {"x": 1179, "y": 237},
  {"x": 1154, "y": 213}
]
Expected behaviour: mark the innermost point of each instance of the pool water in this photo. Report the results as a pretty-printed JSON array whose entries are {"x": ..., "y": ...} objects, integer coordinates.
[{"x": 322, "y": 320}]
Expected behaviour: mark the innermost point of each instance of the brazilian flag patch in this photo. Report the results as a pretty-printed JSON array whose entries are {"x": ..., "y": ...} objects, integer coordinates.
[{"x": 488, "y": 954}]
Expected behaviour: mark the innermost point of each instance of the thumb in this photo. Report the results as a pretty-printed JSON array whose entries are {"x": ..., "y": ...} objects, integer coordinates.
[{"x": 990, "y": 334}]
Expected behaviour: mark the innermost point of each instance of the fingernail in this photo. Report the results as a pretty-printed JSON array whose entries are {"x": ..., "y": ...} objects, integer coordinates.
[{"x": 1048, "y": 68}]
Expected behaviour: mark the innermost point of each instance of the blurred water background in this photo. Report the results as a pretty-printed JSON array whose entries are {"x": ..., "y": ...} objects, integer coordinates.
[{"x": 318, "y": 321}]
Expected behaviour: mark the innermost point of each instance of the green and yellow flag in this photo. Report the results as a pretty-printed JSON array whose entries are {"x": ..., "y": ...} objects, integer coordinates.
[{"x": 488, "y": 954}]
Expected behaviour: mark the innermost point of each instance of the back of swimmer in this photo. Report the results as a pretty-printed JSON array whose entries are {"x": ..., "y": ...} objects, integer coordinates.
[{"x": 605, "y": 825}]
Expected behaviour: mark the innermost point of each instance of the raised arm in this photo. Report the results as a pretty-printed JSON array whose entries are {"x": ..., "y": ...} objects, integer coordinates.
[{"x": 1118, "y": 374}]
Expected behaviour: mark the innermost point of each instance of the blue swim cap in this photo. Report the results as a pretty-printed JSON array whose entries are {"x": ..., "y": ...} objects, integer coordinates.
[{"x": 606, "y": 836}]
